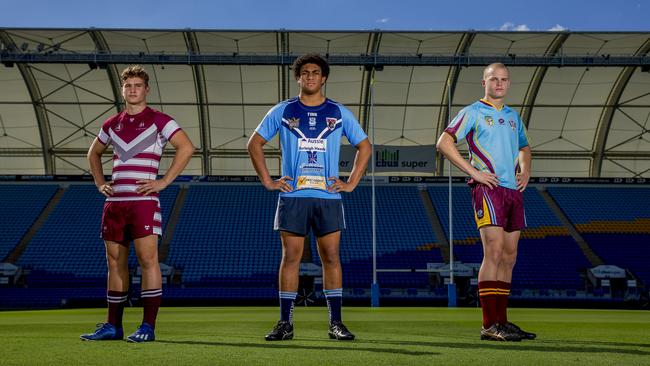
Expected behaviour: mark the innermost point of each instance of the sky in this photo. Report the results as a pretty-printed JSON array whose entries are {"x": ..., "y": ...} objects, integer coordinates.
[{"x": 406, "y": 15}]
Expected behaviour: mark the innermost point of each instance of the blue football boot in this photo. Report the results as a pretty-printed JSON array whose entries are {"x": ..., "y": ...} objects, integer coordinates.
[
  {"x": 144, "y": 333},
  {"x": 104, "y": 332}
]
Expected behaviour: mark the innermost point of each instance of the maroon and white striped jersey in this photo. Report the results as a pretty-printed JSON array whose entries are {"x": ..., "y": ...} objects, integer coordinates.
[{"x": 138, "y": 142}]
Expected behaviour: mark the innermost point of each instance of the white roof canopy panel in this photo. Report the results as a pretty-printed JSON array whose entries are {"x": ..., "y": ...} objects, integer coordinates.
[{"x": 568, "y": 116}]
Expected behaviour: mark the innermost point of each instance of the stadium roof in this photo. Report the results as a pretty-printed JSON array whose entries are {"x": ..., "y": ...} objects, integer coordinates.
[{"x": 585, "y": 97}]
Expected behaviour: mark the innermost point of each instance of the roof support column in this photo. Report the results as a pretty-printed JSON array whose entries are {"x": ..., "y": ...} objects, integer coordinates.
[
  {"x": 449, "y": 89},
  {"x": 39, "y": 110},
  {"x": 607, "y": 115}
]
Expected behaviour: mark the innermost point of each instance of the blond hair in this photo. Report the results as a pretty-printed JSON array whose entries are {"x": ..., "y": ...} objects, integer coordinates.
[{"x": 135, "y": 71}]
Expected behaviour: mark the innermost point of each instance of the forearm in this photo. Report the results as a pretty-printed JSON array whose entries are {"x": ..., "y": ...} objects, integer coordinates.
[
  {"x": 360, "y": 163},
  {"x": 181, "y": 158},
  {"x": 256, "y": 153},
  {"x": 525, "y": 159},
  {"x": 96, "y": 169},
  {"x": 447, "y": 147}
]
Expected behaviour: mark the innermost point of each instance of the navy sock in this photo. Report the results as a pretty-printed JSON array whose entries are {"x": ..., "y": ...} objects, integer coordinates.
[
  {"x": 287, "y": 299},
  {"x": 334, "y": 301}
]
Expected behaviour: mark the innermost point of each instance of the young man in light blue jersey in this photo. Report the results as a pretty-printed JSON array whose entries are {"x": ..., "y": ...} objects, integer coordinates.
[
  {"x": 310, "y": 127},
  {"x": 499, "y": 168}
]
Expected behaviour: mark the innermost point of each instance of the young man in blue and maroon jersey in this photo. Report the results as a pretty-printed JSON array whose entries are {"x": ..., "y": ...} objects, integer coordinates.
[
  {"x": 132, "y": 208},
  {"x": 310, "y": 127},
  {"x": 499, "y": 168}
]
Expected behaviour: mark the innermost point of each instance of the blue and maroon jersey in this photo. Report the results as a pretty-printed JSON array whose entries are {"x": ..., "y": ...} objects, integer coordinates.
[
  {"x": 494, "y": 138},
  {"x": 310, "y": 138}
]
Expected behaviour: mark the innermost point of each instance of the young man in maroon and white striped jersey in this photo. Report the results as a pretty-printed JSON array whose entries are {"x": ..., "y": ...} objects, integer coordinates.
[{"x": 132, "y": 208}]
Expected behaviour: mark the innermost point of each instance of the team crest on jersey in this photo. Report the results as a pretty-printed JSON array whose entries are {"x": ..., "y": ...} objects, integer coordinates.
[
  {"x": 502, "y": 121},
  {"x": 294, "y": 123},
  {"x": 512, "y": 125},
  {"x": 489, "y": 121},
  {"x": 118, "y": 127},
  {"x": 331, "y": 123},
  {"x": 312, "y": 157}
]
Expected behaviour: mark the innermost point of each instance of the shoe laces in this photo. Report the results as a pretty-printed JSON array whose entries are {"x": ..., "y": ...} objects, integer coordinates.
[
  {"x": 280, "y": 325},
  {"x": 340, "y": 326}
]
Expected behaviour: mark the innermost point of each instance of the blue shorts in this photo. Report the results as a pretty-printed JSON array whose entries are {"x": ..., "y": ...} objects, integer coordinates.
[{"x": 298, "y": 215}]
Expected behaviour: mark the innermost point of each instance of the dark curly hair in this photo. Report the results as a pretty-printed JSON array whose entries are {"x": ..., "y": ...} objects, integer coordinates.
[{"x": 310, "y": 58}]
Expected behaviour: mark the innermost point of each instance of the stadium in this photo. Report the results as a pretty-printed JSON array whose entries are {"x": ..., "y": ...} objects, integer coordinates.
[{"x": 411, "y": 251}]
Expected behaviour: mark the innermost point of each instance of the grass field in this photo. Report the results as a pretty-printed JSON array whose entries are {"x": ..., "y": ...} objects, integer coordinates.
[{"x": 385, "y": 336}]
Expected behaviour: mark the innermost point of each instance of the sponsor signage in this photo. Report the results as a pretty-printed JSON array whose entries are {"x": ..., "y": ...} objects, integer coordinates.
[{"x": 388, "y": 158}]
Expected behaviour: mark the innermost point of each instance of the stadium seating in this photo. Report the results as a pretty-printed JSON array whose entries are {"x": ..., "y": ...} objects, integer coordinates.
[
  {"x": 21, "y": 205},
  {"x": 548, "y": 257},
  {"x": 403, "y": 231},
  {"x": 224, "y": 246},
  {"x": 614, "y": 221},
  {"x": 225, "y": 238},
  {"x": 67, "y": 250}
]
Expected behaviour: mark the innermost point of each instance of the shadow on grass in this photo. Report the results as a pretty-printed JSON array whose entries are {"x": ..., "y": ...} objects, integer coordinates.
[
  {"x": 292, "y": 345},
  {"x": 535, "y": 345}
]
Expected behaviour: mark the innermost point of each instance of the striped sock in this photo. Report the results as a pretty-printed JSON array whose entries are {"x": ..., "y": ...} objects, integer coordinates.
[
  {"x": 503, "y": 289},
  {"x": 334, "y": 302},
  {"x": 287, "y": 298},
  {"x": 116, "y": 302},
  {"x": 151, "y": 303},
  {"x": 487, "y": 292}
]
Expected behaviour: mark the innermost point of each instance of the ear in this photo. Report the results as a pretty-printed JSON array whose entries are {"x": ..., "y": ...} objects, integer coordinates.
[{"x": 324, "y": 80}]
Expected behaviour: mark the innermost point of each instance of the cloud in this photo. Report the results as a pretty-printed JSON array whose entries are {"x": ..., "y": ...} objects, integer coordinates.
[
  {"x": 509, "y": 26},
  {"x": 557, "y": 28},
  {"x": 382, "y": 20}
]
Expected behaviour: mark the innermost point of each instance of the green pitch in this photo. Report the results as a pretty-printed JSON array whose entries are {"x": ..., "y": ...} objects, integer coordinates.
[{"x": 385, "y": 336}]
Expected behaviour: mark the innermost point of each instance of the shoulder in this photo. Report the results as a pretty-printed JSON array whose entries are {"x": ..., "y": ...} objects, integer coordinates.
[
  {"x": 511, "y": 111},
  {"x": 112, "y": 120},
  {"x": 345, "y": 112},
  {"x": 471, "y": 108},
  {"x": 160, "y": 117},
  {"x": 280, "y": 107}
]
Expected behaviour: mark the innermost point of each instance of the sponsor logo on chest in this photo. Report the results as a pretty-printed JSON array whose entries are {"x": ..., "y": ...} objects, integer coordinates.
[{"x": 314, "y": 145}]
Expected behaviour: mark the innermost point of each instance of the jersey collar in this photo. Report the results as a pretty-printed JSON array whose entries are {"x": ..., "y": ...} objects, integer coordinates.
[{"x": 491, "y": 105}]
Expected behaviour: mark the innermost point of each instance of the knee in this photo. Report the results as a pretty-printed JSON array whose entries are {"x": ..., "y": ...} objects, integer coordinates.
[
  {"x": 292, "y": 258},
  {"x": 148, "y": 261},
  {"x": 330, "y": 259},
  {"x": 509, "y": 259},
  {"x": 113, "y": 262},
  {"x": 494, "y": 255}
]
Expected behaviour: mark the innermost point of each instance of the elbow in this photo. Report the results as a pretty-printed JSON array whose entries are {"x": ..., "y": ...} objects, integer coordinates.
[
  {"x": 443, "y": 142},
  {"x": 439, "y": 145}
]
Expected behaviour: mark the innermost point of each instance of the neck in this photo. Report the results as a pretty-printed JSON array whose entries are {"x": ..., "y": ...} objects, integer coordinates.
[
  {"x": 497, "y": 103},
  {"x": 312, "y": 100},
  {"x": 133, "y": 109}
]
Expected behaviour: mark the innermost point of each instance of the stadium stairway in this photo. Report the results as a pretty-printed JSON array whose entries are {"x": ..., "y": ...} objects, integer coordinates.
[
  {"x": 593, "y": 258},
  {"x": 434, "y": 220},
  {"x": 172, "y": 221},
  {"x": 14, "y": 255}
]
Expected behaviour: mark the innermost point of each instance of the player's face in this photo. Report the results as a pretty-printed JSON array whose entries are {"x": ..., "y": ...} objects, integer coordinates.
[
  {"x": 496, "y": 83},
  {"x": 135, "y": 91},
  {"x": 311, "y": 79}
]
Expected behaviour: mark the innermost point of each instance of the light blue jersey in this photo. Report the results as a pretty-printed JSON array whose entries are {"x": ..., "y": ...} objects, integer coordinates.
[
  {"x": 310, "y": 138},
  {"x": 494, "y": 137}
]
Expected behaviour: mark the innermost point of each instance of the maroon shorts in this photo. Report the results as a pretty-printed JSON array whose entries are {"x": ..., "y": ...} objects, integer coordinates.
[
  {"x": 499, "y": 206},
  {"x": 123, "y": 221}
]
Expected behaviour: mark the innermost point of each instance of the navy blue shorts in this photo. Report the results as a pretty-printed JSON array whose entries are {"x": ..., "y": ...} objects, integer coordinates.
[{"x": 298, "y": 215}]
